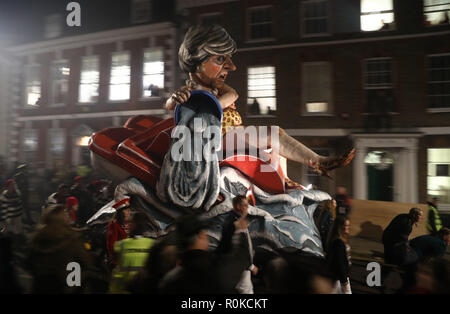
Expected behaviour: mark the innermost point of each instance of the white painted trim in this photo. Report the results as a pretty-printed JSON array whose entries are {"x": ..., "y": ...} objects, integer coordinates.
[
  {"x": 93, "y": 39},
  {"x": 93, "y": 115},
  {"x": 344, "y": 41},
  {"x": 422, "y": 131},
  {"x": 318, "y": 132}
]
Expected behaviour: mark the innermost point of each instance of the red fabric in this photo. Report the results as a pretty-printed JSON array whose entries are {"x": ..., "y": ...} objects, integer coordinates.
[
  {"x": 8, "y": 183},
  {"x": 71, "y": 201},
  {"x": 115, "y": 233},
  {"x": 73, "y": 215}
]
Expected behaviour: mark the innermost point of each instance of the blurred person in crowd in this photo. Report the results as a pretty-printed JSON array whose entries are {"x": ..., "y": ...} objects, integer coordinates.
[
  {"x": 162, "y": 258},
  {"x": 101, "y": 193},
  {"x": 52, "y": 248},
  {"x": 297, "y": 272},
  {"x": 434, "y": 223},
  {"x": 132, "y": 254},
  {"x": 395, "y": 238},
  {"x": 198, "y": 270},
  {"x": 432, "y": 277},
  {"x": 118, "y": 228},
  {"x": 11, "y": 208},
  {"x": 72, "y": 209},
  {"x": 323, "y": 218},
  {"x": 21, "y": 176},
  {"x": 338, "y": 256},
  {"x": 239, "y": 211},
  {"x": 428, "y": 246},
  {"x": 86, "y": 204},
  {"x": 8, "y": 276},
  {"x": 57, "y": 198},
  {"x": 343, "y": 203}
]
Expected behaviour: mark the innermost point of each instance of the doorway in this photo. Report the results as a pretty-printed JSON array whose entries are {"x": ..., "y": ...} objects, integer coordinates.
[{"x": 380, "y": 176}]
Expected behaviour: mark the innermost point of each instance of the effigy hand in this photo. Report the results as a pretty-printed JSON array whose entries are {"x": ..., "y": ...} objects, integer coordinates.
[{"x": 180, "y": 96}]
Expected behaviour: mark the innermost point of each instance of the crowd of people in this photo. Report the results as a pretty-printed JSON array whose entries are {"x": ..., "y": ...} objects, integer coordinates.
[{"x": 131, "y": 260}]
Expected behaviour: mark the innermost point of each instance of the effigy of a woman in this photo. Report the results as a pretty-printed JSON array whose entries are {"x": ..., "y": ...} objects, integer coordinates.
[{"x": 164, "y": 164}]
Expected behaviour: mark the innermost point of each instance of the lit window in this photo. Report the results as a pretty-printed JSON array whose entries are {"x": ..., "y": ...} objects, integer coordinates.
[
  {"x": 438, "y": 184},
  {"x": 119, "y": 87},
  {"x": 378, "y": 85},
  {"x": 33, "y": 85},
  {"x": 436, "y": 12},
  {"x": 261, "y": 90},
  {"x": 153, "y": 74},
  {"x": 59, "y": 76},
  {"x": 211, "y": 19},
  {"x": 315, "y": 17},
  {"x": 89, "y": 80},
  {"x": 30, "y": 144},
  {"x": 260, "y": 23},
  {"x": 53, "y": 26},
  {"x": 317, "y": 89},
  {"x": 439, "y": 81},
  {"x": 377, "y": 15},
  {"x": 140, "y": 11}
]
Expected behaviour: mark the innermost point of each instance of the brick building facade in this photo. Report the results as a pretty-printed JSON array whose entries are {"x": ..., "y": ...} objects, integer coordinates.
[{"x": 369, "y": 74}]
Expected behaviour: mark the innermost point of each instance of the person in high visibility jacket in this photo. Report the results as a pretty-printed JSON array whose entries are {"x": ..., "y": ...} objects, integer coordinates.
[
  {"x": 434, "y": 223},
  {"x": 132, "y": 254}
]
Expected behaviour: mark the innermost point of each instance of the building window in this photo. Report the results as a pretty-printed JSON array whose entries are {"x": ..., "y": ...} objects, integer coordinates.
[
  {"x": 260, "y": 23},
  {"x": 89, "y": 80},
  {"x": 59, "y": 76},
  {"x": 436, "y": 12},
  {"x": 140, "y": 11},
  {"x": 377, "y": 15},
  {"x": 33, "y": 85},
  {"x": 439, "y": 82},
  {"x": 378, "y": 85},
  {"x": 119, "y": 86},
  {"x": 53, "y": 26},
  {"x": 261, "y": 90},
  {"x": 314, "y": 15},
  {"x": 210, "y": 19},
  {"x": 30, "y": 144},
  {"x": 153, "y": 74},
  {"x": 438, "y": 184},
  {"x": 317, "y": 87},
  {"x": 56, "y": 140}
]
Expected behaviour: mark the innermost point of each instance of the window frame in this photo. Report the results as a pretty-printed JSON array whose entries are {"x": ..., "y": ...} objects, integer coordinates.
[
  {"x": 435, "y": 25},
  {"x": 51, "y": 94},
  {"x": 110, "y": 77},
  {"x": 428, "y": 67},
  {"x": 142, "y": 96},
  {"x": 302, "y": 19},
  {"x": 330, "y": 111},
  {"x": 26, "y": 152},
  {"x": 57, "y": 18},
  {"x": 50, "y": 153},
  {"x": 80, "y": 81},
  {"x": 26, "y": 85},
  {"x": 361, "y": 14},
  {"x": 248, "y": 28},
  {"x": 275, "y": 89}
]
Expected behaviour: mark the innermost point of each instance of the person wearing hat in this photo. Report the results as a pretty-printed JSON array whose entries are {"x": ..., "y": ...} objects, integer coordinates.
[
  {"x": 72, "y": 208},
  {"x": 86, "y": 203},
  {"x": 118, "y": 228},
  {"x": 199, "y": 271}
]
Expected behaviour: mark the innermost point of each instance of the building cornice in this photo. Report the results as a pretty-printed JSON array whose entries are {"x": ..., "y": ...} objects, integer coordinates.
[
  {"x": 344, "y": 41},
  {"x": 358, "y": 133},
  {"x": 187, "y": 4},
  {"x": 96, "y": 38}
]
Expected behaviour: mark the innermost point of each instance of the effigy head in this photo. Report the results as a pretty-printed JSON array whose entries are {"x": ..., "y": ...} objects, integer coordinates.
[{"x": 202, "y": 42}]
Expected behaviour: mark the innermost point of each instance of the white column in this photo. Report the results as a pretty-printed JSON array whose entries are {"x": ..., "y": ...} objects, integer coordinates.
[
  {"x": 360, "y": 173},
  {"x": 413, "y": 174}
]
